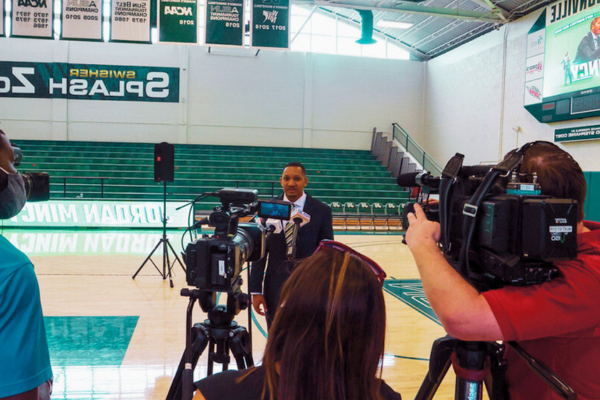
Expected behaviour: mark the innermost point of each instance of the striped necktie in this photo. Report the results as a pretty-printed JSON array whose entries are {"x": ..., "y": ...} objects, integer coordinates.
[{"x": 290, "y": 228}]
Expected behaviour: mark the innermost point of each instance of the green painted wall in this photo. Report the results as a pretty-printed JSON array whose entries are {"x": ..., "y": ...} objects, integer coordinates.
[{"x": 592, "y": 202}]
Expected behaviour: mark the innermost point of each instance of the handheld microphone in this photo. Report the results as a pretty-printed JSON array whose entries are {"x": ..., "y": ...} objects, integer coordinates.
[{"x": 422, "y": 178}]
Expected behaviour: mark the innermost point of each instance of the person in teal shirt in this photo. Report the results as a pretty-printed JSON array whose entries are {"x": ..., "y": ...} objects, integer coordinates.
[{"x": 25, "y": 370}]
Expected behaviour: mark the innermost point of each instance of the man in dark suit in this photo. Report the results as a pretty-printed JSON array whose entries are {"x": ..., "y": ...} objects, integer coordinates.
[
  {"x": 589, "y": 47},
  {"x": 278, "y": 264}
]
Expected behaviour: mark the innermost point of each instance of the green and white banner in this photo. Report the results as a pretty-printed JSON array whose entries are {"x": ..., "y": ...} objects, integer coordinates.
[
  {"x": 270, "y": 24},
  {"x": 89, "y": 82},
  {"x": 130, "y": 21},
  {"x": 81, "y": 20},
  {"x": 100, "y": 214},
  {"x": 178, "y": 21},
  {"x": 224, "y": 23},
  {"x": 32, "y": 18},
  {"x": 578, "y": 133}
]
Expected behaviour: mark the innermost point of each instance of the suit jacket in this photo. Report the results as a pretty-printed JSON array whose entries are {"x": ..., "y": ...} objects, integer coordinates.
[
  {"x": 587, "y": 50},
  {"x": 278, "y": 267}
]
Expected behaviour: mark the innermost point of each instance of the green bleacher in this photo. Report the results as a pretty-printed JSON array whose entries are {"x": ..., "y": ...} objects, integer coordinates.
[{"x": 125, "y": 171}]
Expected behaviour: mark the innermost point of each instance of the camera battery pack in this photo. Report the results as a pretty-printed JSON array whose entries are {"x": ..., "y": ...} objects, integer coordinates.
[{"x": 549, "y": 229}]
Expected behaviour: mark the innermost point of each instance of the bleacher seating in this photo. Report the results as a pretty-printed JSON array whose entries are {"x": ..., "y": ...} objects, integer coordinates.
[{"x": 125, "y": 171}]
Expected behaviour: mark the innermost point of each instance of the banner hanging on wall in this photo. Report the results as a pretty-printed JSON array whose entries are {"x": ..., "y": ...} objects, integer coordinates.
[
  {"x": 89, "y": 82},
  {"x": 270, "y": 24},
  {"x": 32, "y": 19},
  {"x": 224, "y": 23},
  {"x": 81, "y": 20},
  {"x": 2, "y": 17},
  {"x": 178, "y": 21},
  {"x": 130, "y": 21}
]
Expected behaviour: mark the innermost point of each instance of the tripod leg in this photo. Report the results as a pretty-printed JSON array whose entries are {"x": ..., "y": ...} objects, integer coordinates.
[
  {"x": 167, "y": 265},
  {"x": 176, "y": 258},
  {"x": 439, "y": 363},
  {"x": 198, "y": 346},
  {"x": 148, "y": 258},
  {"x": 241, "y": 348}
]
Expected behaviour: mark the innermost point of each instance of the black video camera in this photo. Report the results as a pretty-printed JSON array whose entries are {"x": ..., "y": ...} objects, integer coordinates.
[
  {"x": 37, "y": 184},
  {"x": 214, "y": 262},
  {"x": 496, "y": 227}
]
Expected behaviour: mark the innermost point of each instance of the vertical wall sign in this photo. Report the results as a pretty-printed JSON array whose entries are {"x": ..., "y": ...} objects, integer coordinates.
[
  {"x": 32, "y": 18},
  {"x": 2, "y": 16},
  {"x": 270, "y": 24},
  {"x": 130, "y": 21},
  {"x": 224, "y": 24},
  {"x": 178, "y": 21},
  {"x": 81, "y": 20}
]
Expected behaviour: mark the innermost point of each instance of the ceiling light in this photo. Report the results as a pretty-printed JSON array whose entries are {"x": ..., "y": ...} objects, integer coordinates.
[{"x": 394, "y": 24}]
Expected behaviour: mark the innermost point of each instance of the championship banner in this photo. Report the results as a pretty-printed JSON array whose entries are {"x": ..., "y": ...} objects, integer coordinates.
[
  {"x": 224, "y": 23},
  {"x": 578, "y": 133},
  {"x": 99, "y": 214},
  {"x": 130, "y": 21},
  {"x": 81, "y": 20},
  {"x": 270, "y": 24},
  {"x": 178, "y": 21},
  {"x": 2, "y": 16},
  {"x": 32, "y": 19},
  {"x": 89, "y": 82}
]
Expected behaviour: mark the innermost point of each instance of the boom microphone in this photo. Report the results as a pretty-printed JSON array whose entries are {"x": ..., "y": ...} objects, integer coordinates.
[{"x": 413, "y": 179}]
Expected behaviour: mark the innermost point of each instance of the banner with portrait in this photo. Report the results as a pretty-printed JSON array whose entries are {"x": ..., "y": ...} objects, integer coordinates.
[
  {"x": 32, "y": 19},
  {"x": 81, "y": 20},
  {"x": 130, "y": 21}
]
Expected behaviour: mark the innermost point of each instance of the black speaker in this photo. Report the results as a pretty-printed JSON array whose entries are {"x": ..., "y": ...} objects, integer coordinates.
[{"x": 164, "y": 162}]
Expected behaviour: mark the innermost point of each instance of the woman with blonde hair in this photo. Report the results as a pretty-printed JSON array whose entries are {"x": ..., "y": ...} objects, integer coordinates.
[{"x": 326, "y": 341}]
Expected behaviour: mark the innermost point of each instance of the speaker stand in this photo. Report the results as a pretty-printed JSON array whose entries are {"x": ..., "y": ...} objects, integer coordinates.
[{"x": 167, "y": 266}]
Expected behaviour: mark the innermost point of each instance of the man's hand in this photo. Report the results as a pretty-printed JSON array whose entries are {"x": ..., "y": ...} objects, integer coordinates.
[
  {"x": 421, "y": 231},
  {"x": 7, "y": 155},
  {"x": 257, "y": 301}
]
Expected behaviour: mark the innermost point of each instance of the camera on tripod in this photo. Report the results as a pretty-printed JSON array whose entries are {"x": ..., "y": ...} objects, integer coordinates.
[
  {"x": 497, "y": 228},
  {"x": 214, "y": 264},
  {"x": 37, "y": 184}
]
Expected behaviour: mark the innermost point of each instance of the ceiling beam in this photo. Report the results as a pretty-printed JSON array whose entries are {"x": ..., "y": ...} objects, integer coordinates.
[{"x": 411, "y": 8}]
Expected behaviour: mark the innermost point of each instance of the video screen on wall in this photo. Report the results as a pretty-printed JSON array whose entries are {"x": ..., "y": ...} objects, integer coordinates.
[{"x": 563, "y": 62}]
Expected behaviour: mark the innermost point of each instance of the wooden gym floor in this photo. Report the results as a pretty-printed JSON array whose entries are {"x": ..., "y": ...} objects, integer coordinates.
[{"x": 112, "y": 337}]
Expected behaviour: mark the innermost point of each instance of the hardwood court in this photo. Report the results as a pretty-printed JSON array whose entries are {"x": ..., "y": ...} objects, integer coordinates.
[{"x": 89, "y": 275}]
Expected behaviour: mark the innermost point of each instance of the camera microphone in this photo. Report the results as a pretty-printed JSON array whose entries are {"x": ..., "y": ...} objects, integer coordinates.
[{"x": 422, "y": 178}]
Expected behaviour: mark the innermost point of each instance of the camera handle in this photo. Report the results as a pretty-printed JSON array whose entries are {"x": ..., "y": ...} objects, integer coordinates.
[{"x": 476, "y": 363}]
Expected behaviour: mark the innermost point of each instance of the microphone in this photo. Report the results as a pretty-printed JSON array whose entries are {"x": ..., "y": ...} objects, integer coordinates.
[{"x": 422, "y": 178}]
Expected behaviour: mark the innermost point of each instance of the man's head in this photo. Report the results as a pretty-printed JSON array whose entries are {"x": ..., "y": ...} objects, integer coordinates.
[
  {"x": 293, "y": 180},
  {"x": 558, "y": 173},
  {"x": 595, "y": 26}
]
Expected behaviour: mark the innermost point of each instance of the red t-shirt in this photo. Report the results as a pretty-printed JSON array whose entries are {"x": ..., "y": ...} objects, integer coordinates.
[{"x": 558, "y": 323}]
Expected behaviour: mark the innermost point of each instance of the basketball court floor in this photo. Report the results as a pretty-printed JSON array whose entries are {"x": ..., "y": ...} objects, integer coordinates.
[{"x": 114, "y": 337}]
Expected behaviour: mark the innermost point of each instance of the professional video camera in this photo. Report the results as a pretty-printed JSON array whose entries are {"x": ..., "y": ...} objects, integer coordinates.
[
  {"x": 496, "y": 227},
  {"x": 37, "y": 184},
  {"x": 214, "y": 264}
]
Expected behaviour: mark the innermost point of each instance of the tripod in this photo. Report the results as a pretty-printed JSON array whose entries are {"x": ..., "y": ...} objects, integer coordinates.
[
  {"x": 218, "y": 330},
  {"x": 477, "y": 362},
  {"x": 167, "y": 266}
]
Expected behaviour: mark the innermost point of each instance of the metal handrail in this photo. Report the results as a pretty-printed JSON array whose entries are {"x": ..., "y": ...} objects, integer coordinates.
[{"x": 416, "y": 150}]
